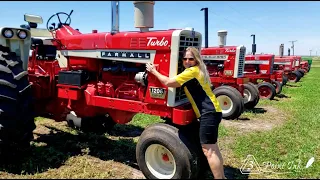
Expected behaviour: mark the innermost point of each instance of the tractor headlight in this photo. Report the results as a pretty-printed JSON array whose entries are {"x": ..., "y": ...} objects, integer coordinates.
[
  {"x": 8, "y": 33},
  {"x": 22, "y": 34}
]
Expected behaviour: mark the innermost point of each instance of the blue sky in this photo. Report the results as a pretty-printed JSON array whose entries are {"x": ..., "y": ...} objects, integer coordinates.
[{"x": 273, "y": 22}]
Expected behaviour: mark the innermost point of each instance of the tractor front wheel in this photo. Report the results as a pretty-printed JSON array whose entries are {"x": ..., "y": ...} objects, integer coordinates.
[
  {"x": 266, "y": 90},
  {"x": 230, "y": 100},
  {"x": 251, "y": 95},
  {"x": 165, "y": 152}
]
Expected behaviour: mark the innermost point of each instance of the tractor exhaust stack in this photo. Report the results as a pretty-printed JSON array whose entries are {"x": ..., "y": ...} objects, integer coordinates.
[
  {"x": 281, "y": 50},
  {"x": 288, "y": 51},
  {"x": 222, "y": 38},
  {"x": 206, "y": 38},
  {"x": 143, "y": 15},
  {"x": 254, "y": 46},
  {"x": 114, "y": 17}
]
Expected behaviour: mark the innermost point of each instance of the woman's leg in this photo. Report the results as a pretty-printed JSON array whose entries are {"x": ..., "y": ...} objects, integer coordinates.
[
  {"x": 215, "y": 161},
  {"x": 209, "y": 125}
]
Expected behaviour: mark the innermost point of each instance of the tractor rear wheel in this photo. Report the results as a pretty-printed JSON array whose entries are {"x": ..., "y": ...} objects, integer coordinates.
[
  {"x": 301, "y": 72},
  {"x": 266, "y": 90},
  {"x": 16, "y": 104},
  {"x": 251, "y": 96},
  {"x": 284, "y": 80},
  {"x": 294, "y": 76},
  {"x": 230, "y": 100},
  {"x": 165, "y": 152},
  {"x": 277, "y": 85}
]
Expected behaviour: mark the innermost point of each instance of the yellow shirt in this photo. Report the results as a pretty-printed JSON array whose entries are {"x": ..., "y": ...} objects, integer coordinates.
[{"x": 198, "y": 92}]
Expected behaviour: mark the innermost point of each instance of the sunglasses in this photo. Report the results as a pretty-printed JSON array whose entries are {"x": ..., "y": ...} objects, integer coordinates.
[{"x": 190, "y": 59}]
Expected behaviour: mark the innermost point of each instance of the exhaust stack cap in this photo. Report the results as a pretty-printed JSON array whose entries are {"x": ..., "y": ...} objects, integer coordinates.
[
  {"x": 281, "y": 50},
  {"x": 222, "y": 37},
  {"x": 189, "y": 28},
  {"x": 143, "y": 15}
]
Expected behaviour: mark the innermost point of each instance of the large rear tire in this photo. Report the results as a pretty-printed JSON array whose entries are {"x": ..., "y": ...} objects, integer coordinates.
[
  {"x": 301, "y": 72},
  {"x": 277, "y": 85},
  {"x": 230, "y": 100},
  {"x": 284, "y": 79},
  {"x": 165, "y": 152},
  {"x": 294, "y": 76},
  {"x": 251, "y": 94},
  {"x": 266, "y": 90},
  {"x": 16, "y": 104}
]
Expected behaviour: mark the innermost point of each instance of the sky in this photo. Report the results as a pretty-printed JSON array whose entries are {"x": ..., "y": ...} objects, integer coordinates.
[{"x": 273, "y": 22}]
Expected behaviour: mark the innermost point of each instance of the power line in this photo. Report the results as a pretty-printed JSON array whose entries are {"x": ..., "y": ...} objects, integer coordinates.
[
  {"x": 257, "y": 23},
  {"x": 242, "y": 28}
]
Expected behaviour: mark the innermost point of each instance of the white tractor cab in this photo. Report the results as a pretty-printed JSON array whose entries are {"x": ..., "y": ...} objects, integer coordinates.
[
  {"x": 42, "y": 38},
  {"x": 18, "y": 40}
]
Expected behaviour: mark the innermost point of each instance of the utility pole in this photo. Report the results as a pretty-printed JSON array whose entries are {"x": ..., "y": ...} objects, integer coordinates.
[
  {"x": 293, "y": 46},
  {"x": 310, "y": 51}
]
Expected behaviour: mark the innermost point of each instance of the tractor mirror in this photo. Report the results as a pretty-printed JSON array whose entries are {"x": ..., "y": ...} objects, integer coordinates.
[{"x": 33, "y": 19}]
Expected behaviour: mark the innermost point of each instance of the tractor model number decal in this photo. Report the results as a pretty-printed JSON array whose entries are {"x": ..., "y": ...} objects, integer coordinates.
[
  {"x": 140, "y": 55},
  {"x": 153, "y": 41},
  {"x": 156, "y": 92}
]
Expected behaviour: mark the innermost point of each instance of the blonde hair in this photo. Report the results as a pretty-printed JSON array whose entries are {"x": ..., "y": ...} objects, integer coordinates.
[{"x": 203, "y": 68}]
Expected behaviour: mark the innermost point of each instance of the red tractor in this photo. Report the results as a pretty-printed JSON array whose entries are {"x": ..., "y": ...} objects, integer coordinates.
[
  {"x": 305, "y": 66},
  {"x": 287, "y": 63},
  {"x": 298, "y": 65},
  {"x": 99, "y": 79},
  {"x": 259, "y": 69},
  {"x": 16, "y": 110},
  {"x": 225, "y": 65}
]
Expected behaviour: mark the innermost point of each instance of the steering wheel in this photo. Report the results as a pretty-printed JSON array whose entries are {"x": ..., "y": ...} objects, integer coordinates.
[{"x": 60, "y": 23}]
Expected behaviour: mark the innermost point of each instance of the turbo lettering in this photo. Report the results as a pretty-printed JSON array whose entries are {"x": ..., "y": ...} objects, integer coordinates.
[
  {"x": 230, "y": 50},
  {"x": 153, "y": 41}
]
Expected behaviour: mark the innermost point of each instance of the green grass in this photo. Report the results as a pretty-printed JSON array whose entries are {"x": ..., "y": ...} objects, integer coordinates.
[{"x": 297, "y": 139}]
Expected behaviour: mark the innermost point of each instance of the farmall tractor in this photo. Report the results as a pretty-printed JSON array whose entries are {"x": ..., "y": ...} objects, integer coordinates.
[
  {"x": 259, "y": 69},
  {"x": 289, "y": 65},
  {"x": 298, "y": 65},
  {"x": 305, "y": 66},
  {"x": 99, "y": 79},
  {"x": 225, "y": 65},
  {"x": 16, "y": 110}
]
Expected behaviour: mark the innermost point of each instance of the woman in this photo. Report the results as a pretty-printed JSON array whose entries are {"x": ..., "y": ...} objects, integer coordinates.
[{"x": 197, "y": 86}]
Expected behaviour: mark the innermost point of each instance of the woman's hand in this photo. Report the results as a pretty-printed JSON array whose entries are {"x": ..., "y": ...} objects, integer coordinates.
[{"x": 151, "y": 68}]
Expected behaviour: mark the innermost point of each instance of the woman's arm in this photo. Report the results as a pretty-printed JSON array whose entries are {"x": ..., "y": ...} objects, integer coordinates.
[
  {"x": 170, "y": 82},
  {"x": 176, "y": 81}
]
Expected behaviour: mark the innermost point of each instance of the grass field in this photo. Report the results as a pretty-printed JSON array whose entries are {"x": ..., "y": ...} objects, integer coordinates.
[{"x": 283, "y": 133}]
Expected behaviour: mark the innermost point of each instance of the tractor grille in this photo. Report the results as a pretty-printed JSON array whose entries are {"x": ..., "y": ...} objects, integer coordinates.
[
  {"x": 185, "y": 41},
  {"x": 242, "y": 55},
  {"x": 271, "y": 65}
]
